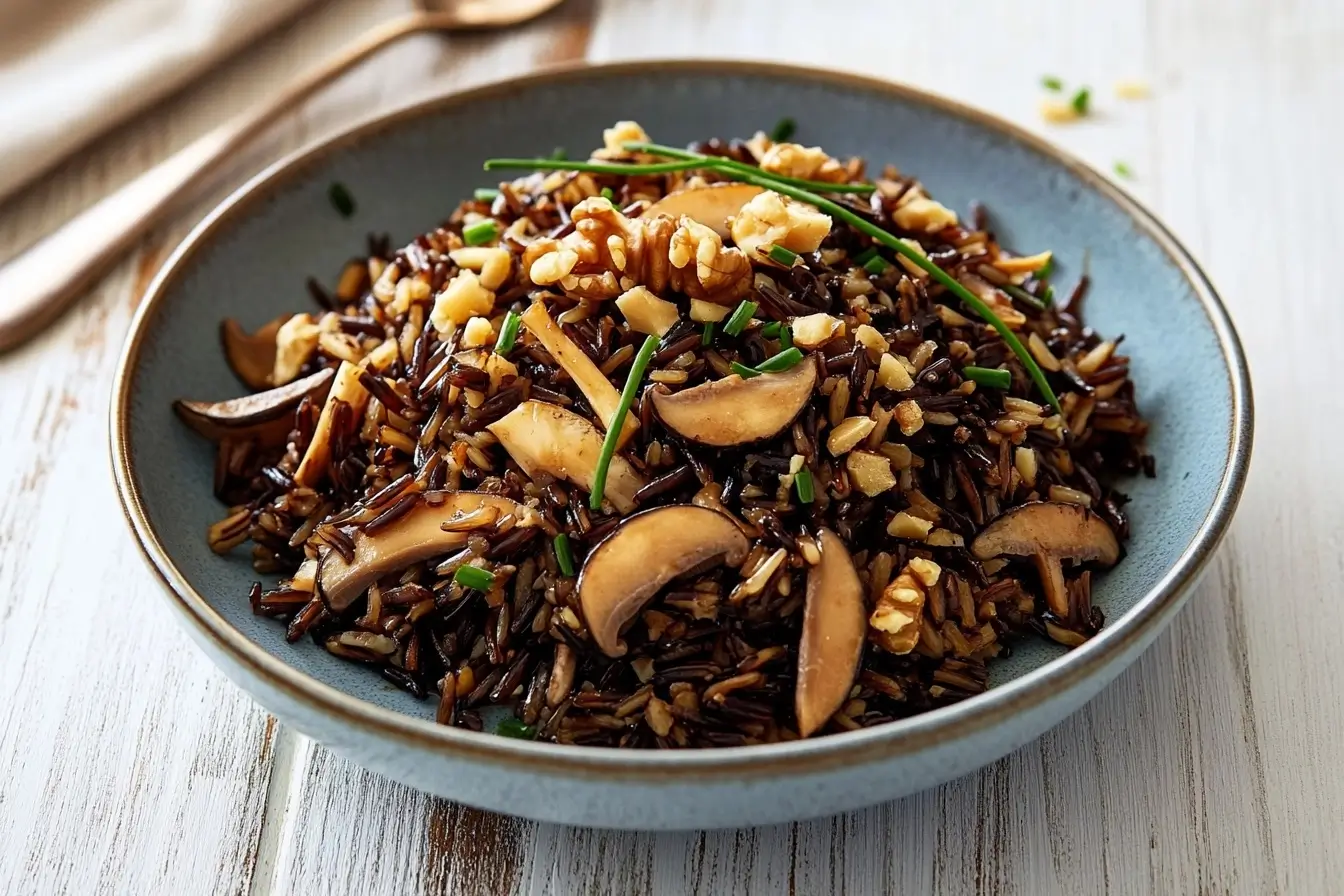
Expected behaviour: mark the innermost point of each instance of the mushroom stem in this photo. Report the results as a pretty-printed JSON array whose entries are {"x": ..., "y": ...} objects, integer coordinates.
[{"x": 1052, "y": 579}]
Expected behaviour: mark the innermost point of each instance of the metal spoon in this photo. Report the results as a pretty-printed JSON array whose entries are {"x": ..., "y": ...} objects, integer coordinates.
[{"x": 40, "y": 283}]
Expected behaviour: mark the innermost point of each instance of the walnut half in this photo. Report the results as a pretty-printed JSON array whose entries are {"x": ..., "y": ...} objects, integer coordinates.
[{"x": 894, "y": 623}]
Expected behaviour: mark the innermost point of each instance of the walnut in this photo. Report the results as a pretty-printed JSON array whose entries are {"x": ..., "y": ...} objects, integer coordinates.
[
  {"x": 770, "y": 219},
  {"x": 806, "y": 162},
  {"x": 924, "y": 214},
  {"x": 609, "y": 254},
  {"x": 615, "y": 137},
  {"x": 295, "y": 343},
  {"x": 461, "y": 299},
  {"x": 894, "y": 623}
]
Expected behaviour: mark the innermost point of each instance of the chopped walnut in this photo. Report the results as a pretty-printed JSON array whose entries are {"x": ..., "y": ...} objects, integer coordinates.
[
  {"x": 895, "y": 621},
  {"x": 492, "y": 263},
  {"x": 891, "y": 374},
  {"x": 924, "y": 214},
  {"x": 815, "y": 330},
  {"x": 478, "y": 333},
  {"x": 805, "y": 162},
  {"x": 615, "y": 137},
  {"x": 770, "y": 219},
  {"x": 295, "y": 343},
  {"x": 462, "y": 299},
  {"x": 720, "y": 275},
  {"x": 909, "y": 417}
]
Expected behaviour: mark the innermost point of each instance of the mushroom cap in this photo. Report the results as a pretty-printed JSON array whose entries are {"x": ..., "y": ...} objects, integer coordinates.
[
  {"x": 251, "y": 356},
  {"x": 416, "y": 536},
  {"x": 711, "y": 205},
  {"x": 642, "y": 555},
  {"x": 834, "y": 625},
  {"x": 1064, "y": 531},
  {"x": 265, "y": 416},
  {"x": 734, "y": 411}
]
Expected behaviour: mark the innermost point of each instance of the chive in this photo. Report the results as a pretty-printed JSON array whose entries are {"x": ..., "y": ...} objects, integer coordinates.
[
  {"x": 609, "y": 194},
  {"x": 771, "y": 330},
  {"x": 865, "y": 256},
  {"x": 486, "y": 194},
  {"x": 1123, "y": 169},
  {"x": 508, "y": 333},
  {"x": 743, "y": 370},
  {"x": 784, "y": 256},
  {"x": 481, "y": 232},
  {"x": 1080, "y": 100},
  {"x": 341, "y": 199},
  {"x": 994, "y": 378},
  {"x": 875, "y": 265},
  {"x": 1049, "y": 297},
  {"x": 802, "y": 481},
  {"x": 783, "y": 130},
  {"x": 684, "y": 163},
  {"x": 707, "y": 337},
  {"x": 1022, "y": 295},
  {"x": 743, "y": 170},
  {"x": 785, "y": 338},
  {"x": 1045, "y": 268},
  {"x": 474, "y": 577},
  {"x": 513, "y": 727},
  {"x": 559, "y": 154},
  {"x": 738, "y": 320},
  {"x": 1050, "y": 82},
  {"x": 563, "y": 557},
  {"x": 632, "y": 381},
  {"x": 786, "y": 359}
]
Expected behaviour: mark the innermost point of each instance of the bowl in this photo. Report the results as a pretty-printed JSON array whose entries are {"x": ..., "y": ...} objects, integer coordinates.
[{"x": 407, "y": 169}]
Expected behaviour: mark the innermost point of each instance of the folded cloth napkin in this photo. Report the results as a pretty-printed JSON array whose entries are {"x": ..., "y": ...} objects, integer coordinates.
[{"x": 70, "y": 69}]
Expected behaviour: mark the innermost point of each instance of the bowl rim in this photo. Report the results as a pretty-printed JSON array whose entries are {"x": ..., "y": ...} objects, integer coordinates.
[{"x": 902, "y": 737}]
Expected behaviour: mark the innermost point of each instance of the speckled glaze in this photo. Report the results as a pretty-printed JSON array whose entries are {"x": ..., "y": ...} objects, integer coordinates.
[{"x": 249, "y": 259}]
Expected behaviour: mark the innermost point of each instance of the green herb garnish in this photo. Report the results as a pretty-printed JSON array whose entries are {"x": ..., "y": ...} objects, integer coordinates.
[
  {"x": 514, "y": 727},
  {"x": 341, "y": 199},
  {"x": 865, "y": 256},
  {"x": 563, "y": 557},
  {"x": 1123, "y": 169},
  {"x": 486, "y": 194},
  {"x": 559, "y": 154},
  {"x": 994, "y": 378},
  {"x": 1045, "y": 269},
  {"x": 632, "y": 381},
  {"x": 738, "y": 320},
  {"x": 707, "y": 337},
  {"x": 743, "y": 370},
  {"x": 481, "y": 232},
  {"x": 508, "y": 333},
  {"x": 474, "y": 577},
  {"x": 771, "y": 330},
  {"x": 802, "y": 481},
  {"x": 876, "y": 265},
  {"x": 1050, "y": 82},
  {"x": 780, "y": 362},
  {"x": 609, "y": 194},
  {"x": 1022, "y": 295},
  {"x": 783, "y": 256},
  {"x": 1080, "y": 100},
  {"x": 708, "y": 163},
  {"x": 785, "y": 338},
  {"x": 783, "y": 130},
  {"x": 744, "y": 171}
]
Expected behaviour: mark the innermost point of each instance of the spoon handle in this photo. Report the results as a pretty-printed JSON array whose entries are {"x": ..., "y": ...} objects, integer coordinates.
[{"x": 40, "y": 283}]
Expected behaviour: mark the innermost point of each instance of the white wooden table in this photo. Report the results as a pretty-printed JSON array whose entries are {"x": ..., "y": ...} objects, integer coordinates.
[{"x": 128, "y": 764}]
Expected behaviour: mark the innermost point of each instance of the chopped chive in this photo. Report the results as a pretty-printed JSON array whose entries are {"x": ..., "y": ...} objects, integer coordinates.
[
  {"x": 559, "y": 154},
  {"x": 786, "y": 359},
  {"x": 474, "y": 577},
  {"x": 1049, "y": 297},
  {"x": 802, "y": 481},
  {"x": 876, "y": 265},
  {"x": 341, "y": 199},
  {"x": 563, "y": 557},
  {"x": 632, "y": 381},
  {"x": 783, "y": 130},
  {"x": 609, "y": 194},
  {"x": 1080, "y": 100},
  {"x": 738, "y": 320},
  {"x": 508, "y": 333},
  {"x": 865, "y": 256},
  {"x": 514, "y": 727},
  {"x": 771, "y": 330},
  {"x": 1123, "y": 169},
  {"x": 994, "y": 378},
  {"x": 1022, "y": 295},
  {"x": 1050, "y": 82},
  {"x": 785, "y": 338},
  {"x": 486, "y": 194},
  {"x": 743, "y": 370},
  {"x": 1045, "y": 269},
  {"x": 481, "y": 232},
  {"x": 784, "y": 256},
  {"x": 707, "y": 337}
]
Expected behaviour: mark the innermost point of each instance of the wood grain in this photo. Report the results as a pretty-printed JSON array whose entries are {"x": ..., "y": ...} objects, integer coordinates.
[{"x": 1209, "y": 767}]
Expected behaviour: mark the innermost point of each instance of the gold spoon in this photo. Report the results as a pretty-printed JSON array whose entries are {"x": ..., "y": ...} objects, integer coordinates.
[{"x": 40, "y": 283}]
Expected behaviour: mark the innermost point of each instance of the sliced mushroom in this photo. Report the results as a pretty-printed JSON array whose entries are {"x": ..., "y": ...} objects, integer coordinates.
[
  {"x": 734, "y": 411},
  {"x": 266, "y": 416},
  {"x": 711, "y": 205},
  {"x": 543, "y": 438},
  {"x": 834, "y": 625},
  {"x": 642, "y": 555},
  {"x": 418, "y": 535},
  {"x": 601, "y": 394},
  {"x": 251, "y": 356},
  {"x": 1050, "y": 534},
  {"x": 345, "y": 387}
]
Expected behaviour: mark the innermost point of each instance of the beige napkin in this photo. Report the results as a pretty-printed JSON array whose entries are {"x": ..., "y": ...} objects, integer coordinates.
[{"x": 70, "y": 69}]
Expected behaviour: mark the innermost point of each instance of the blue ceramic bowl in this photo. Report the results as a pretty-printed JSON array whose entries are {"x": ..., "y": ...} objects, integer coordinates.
[{"x": 248, "y": 259}]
